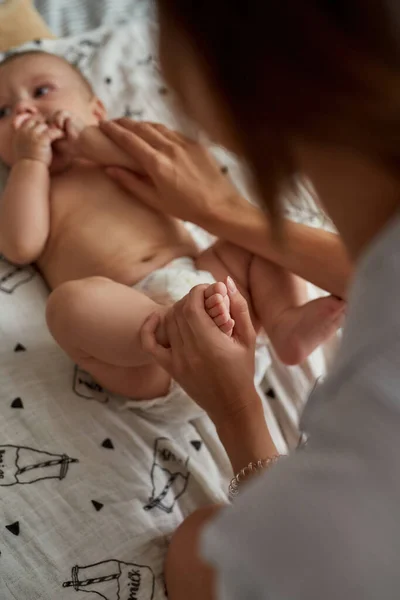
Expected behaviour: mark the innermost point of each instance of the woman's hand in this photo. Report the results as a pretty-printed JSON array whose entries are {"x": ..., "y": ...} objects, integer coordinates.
[
  {"x": 217, "y": 371},
  {"x": 178, "y": 176}
]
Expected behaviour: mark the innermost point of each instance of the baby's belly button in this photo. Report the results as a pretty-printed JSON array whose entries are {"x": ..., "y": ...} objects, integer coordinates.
[{"x": 149, "y": 258}]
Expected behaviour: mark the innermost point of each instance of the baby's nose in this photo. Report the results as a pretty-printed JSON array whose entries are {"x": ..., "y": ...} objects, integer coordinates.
[{"x": 25, "y": 107}]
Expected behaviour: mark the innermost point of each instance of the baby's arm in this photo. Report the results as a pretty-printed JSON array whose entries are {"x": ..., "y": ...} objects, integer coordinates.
[
  {"x": 24, "y": 205},
  {"x": 93, "y": 145},
  {"x": 90, "y": 142}
]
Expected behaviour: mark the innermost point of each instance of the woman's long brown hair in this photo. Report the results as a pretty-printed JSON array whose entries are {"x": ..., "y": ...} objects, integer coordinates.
[{"x": 323, "y": 70}]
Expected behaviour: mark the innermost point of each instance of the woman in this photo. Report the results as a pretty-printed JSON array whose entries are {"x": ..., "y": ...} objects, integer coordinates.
[{"x": 315, "y": 85}]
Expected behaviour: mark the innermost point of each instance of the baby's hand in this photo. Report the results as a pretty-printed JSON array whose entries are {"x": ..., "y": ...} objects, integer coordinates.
[
  {"x": 69, "y": 124},
  {"x": 33, "y": 139}
]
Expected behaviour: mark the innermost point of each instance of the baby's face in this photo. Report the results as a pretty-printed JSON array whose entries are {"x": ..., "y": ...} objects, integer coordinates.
[{"x": 39, "y": 85}]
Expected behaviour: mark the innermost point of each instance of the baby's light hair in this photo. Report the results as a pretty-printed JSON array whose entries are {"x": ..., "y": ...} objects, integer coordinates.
[{"x": 15, "y": 55}]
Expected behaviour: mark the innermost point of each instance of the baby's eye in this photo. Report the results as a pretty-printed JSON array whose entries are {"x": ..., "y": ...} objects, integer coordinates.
[
  {"x": 40, "y": 91},
  {"x": 5, "y": 111}
]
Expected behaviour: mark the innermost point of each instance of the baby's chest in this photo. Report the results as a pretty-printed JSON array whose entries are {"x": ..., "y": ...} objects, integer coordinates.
[{"x": 82, "y": 197}]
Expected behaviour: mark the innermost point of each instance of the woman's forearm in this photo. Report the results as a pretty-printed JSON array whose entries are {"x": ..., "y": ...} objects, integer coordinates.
[
  {"x": 315, "y": 255},
  {"x": 245, "y": 436}
]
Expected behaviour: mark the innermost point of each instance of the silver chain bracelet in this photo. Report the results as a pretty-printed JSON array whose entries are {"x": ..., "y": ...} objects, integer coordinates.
[{"x": 253, "y": 467}]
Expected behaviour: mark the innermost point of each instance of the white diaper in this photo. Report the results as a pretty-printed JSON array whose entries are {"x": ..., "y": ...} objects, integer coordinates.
[{"x": 173, "y": 282}]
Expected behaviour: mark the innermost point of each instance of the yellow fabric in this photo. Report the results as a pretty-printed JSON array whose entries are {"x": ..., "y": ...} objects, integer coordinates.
[{"x": 20, "y": 23}]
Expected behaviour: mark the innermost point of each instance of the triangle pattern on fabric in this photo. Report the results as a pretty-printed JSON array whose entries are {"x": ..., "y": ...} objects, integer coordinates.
[
  {"x": 108, "y": 444},
  {"x": 13, "y": 528},
  {"x": 17, "y": 403},
  {"x": 98, "y": 505},
  {"x": 19, "y": 348},
  {"x": 197, "y": 444}
]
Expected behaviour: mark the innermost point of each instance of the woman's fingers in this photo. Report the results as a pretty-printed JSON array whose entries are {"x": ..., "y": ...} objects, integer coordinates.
[
  {"x": 155, "y": 133},
  {"x": 169, "y": 134},
  {"x": 152, "y": 135},
  {"x": 131, "y": 143},
  {"x": 149, "y": 343},
  {"x": 126, "y": 123},
  {"x": 239, "y": 309},
  {"x": 175, "y": 334}
]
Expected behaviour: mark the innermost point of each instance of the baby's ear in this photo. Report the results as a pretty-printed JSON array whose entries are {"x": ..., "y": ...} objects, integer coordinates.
[{"x": 98, "y": 109}]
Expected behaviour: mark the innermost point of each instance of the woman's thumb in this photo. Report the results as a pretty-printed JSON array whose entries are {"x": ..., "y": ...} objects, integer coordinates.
[{"x": 239, "y": 309}]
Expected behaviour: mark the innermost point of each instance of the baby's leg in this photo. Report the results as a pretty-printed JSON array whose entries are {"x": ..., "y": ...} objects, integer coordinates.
[
  {"x": 277, "y": 300},
  {"x": 294, "y": 326},
  {"x": 97, "y": 322}
]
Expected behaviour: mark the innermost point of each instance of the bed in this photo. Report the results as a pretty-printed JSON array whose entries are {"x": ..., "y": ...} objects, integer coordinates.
[{"x": 91, "y": 486}]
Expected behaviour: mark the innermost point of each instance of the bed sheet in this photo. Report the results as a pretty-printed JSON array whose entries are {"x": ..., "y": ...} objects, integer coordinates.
[
  {"x": 72, "y": 17},
  {"x": 89, "y": 493}
]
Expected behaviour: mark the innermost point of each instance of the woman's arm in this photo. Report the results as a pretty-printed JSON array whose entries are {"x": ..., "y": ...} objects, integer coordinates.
[
  {"x": 315, "y": 255},
  {"x": 185, "y": 181}
]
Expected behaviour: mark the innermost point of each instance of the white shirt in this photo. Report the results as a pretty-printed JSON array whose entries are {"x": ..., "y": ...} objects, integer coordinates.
[{"x": 324, "y": 524}]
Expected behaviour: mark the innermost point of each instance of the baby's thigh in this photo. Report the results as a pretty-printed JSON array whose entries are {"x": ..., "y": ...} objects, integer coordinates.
[
  {"x": 99, "y": 316},
  {"x": 223, "y": 259}
]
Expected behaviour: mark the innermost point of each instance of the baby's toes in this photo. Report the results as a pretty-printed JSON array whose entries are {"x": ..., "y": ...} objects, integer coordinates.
[
  {"x": 222, "y": 318},
  {"x": 216, "y": 288},
  {"x": 216, "y": 311},
  {"x": 216, "y": 300},
  {"x": 228, "y": 327},
  {"x": 217, "y": 305}
]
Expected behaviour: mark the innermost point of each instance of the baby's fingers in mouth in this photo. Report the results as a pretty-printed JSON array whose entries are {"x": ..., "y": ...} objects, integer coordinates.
[{"x": 19, "y": 120}]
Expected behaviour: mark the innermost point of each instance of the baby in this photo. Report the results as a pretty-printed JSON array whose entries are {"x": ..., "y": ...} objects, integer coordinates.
[{"x": 110, "y": 260}]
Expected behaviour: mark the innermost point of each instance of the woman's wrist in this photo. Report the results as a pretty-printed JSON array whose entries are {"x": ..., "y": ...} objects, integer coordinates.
[
  {"x": 217, "y": 214},
  {"x": 245, "y": 435}
]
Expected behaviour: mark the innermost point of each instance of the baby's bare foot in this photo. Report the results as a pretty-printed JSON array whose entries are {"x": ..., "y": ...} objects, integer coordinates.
[
  {"x": 217, "y": 305},
  {"x": 299, "y": 331}
]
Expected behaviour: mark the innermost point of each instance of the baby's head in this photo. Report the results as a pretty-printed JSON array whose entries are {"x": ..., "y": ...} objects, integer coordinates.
[{"x": 40, "y": 83}]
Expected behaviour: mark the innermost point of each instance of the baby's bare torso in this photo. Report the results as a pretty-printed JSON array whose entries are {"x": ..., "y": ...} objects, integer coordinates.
[{"x": 97, "y": 229}]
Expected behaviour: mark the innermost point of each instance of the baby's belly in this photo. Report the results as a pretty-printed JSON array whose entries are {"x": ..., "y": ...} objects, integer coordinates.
[
  {"x": 99, "y": 230},
  {"x": 123, "y": 262}
]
